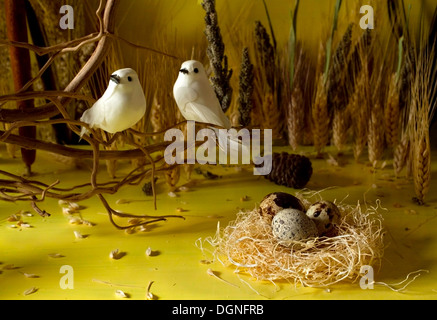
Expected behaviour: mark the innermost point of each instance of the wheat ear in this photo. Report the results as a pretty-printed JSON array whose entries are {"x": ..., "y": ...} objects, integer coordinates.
[
  {"x": 376, "y": 134},
  {"x": 392, "y": 114},
  {"x": 320, "y": 116},
  {"x": 296, "y": 117},
  {"x": 400, "y": 154},
  {"x": 340, "y": 126},
  {"x": 422, "y": 168}
]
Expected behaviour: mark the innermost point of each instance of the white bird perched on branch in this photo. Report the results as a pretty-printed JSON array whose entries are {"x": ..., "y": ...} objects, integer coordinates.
[
  {"x": 198, "y": 102},
  {"x": 121, "y": 106}
]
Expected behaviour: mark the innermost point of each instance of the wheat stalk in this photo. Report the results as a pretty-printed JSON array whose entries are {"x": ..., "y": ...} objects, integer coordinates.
[
  {"x": 376, "y": 134},
  {"x": 422, "y": 167},
  {"x": 340, "y": 126},
  {"x": 422, "y": 110},
  {"x": 359, "y": 109},
  {"x": 392, "y": 113},
  {"x": 320, "y": 117},
  {"x": 401, "y": 153},
  {"x": 172, "y": 177},
  {"x": 296, "y": 117}
]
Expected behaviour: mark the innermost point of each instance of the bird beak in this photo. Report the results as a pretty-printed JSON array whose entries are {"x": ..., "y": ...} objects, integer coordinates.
[
  {"x": 115, "y": 78},
  {"x": 184, "y": 71}
]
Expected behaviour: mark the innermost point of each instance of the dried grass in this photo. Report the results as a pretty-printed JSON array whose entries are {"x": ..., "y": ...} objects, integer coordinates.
[{"x": 248, "y": 245}]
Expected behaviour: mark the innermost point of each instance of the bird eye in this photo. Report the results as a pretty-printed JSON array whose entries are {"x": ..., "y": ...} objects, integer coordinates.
[
  {"x": 129, "y": 79},
  {"x": 196, "y": 70}
]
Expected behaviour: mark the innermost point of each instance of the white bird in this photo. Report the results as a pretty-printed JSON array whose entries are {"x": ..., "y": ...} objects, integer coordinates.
[
  {"x": 197, "y": 101},
  {"x": 121, "y": 106},
  {"x": 195, "y": 96}
]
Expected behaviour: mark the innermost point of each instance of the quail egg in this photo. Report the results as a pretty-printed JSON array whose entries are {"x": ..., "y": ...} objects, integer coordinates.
[
  {"x": 325, "y": 215},
  {"x": 277, "y": 201},
  {"x": 293, "y": 224}
]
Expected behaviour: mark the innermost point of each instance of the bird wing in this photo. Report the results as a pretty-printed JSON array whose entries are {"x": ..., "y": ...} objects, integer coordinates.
[
  {"x": 183, "y": 96},
  {"x": 192, "y": 108},
  {"x": 95, "y": 116}
]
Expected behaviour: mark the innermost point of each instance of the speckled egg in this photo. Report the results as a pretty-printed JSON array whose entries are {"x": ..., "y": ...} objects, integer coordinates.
[
  {"x": 277, "y": 201},
  {"x": 292, "y": 224},
  {"x": 325, "y": 215}
]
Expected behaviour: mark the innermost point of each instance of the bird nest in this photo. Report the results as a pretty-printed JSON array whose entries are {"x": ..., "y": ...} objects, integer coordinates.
[{"x": 248, "y": 245}]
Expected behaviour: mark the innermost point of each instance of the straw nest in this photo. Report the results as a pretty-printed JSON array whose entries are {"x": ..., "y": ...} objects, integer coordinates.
[{"x": 248, "y": 244}]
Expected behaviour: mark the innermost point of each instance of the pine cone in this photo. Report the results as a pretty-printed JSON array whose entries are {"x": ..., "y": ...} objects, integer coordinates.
[{"x": 290, "y": 170}]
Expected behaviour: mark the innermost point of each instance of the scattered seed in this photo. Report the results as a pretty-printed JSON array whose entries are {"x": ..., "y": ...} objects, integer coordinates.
[
  {"x": 13, "y": 226},
  {"x": 204, "y": 261},
  {"x": 171, "y": 194},
  {"x": 62, "y": 203},
  {"x": 244, "y": 198},
  {"x": 180, "y": 210},
  {"x": 88, "y": 223},
  {"x": 74, "y": 206},
  {"x": 28, "y": 214},
  {"x": 121, "y": 294},
  {"x": 9, "y": 267},
  {"x": 116, "y": 254},
  {"x": 149, "y": 295},
  {"x": 129, "y": 230},
  {"x": 78, "y": 235},
  {"x": 149, "y": 252},
  {"x": 411, "y": 212},
  {"x": 143, "y": 228},
  {"x": 55, "y": 255},
  {"x": 113, "y": 254},
  {"x": 184, "y": 188},
  {"x": 122, "y": 201},
  {"x": 25, "y": 225},
  {"x": 67, "y": 210},
  {"x": 75, "y": 220},
  {"x": 134, "y": 221},
  {"x": 397, "y": 205},
  {"x": 13, "y": 217},
  {"x": 30, "y": 291},
  {"x": 30, "y": 275}
]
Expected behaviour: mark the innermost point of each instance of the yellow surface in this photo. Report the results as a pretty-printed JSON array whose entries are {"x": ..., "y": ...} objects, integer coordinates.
[{"x": 176, "y": 268}]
